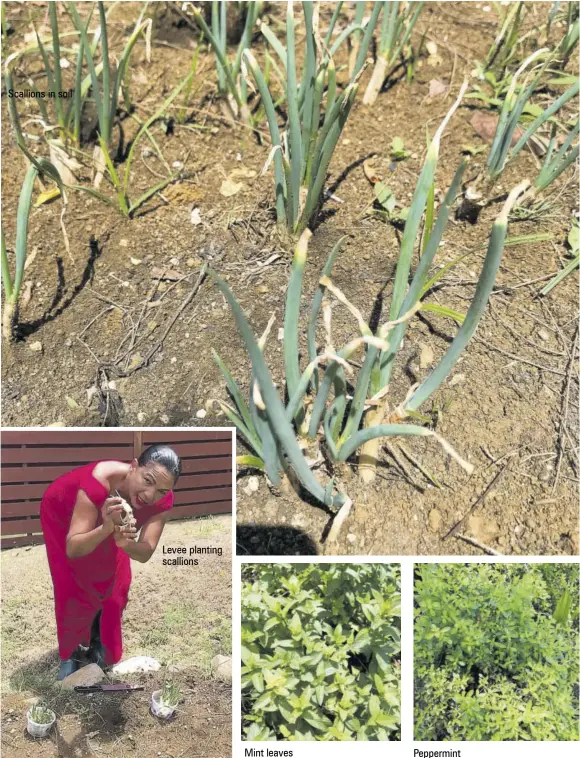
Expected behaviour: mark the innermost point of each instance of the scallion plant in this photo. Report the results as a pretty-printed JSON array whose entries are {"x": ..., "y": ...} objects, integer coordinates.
[
  {"x": 507, "y": 40},
  {"x": 12, "y": 282},
  {"x": 399, "y": 20},
  {"x": 278, "y": 433},
  {"x": 170, "y": 694},
  {"x": 232, "y": 87},
  {"x": 570, "y": 17},
  {"x": 501, "y": 151},
  {"x": 121, "y": 179},
  {"x": 302, "y": 153},
  {"x": 106, "y": 87},
  {"x": 62, "y": 128}
]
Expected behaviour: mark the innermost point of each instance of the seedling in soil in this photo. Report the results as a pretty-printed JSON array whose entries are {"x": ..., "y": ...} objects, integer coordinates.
[
  {"x": 106, "y": 90},
  {"x": 41, "y": 715},
  {"x": 120, "y": 183},
  {"x": 301, "y": 158},
  {"x": 279, "y": 434},
  {"x": 398, "y": 151},
  {"x": 399, "y": 20},
  {"x": 507, "y": 43},
  {"x": 12, "y": 283},
  {"x": 39, "y": 720},
  {"x": 165, "y": 701},
  {"x": 574, "y": 242},
  {"x": 513, "y": 104},
  {"x": 501, "y": 151},
  {"x": 232, "y": 87},
  {"x": 170, "y": 695},
  {"x": 570, "y": 16}
]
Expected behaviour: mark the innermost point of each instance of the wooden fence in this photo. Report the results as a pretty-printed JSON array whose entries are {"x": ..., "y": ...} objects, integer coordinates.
[{"x": 31, "y": 460}]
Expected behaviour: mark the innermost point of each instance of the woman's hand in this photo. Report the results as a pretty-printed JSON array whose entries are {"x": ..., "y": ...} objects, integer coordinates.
[
  {"x": 125, "y": 536},
  {"x": 111, "y": 514}
]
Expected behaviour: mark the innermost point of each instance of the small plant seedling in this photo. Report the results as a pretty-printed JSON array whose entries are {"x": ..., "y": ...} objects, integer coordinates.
[
  {"x": 40, "y": 714},
  {"x": 170, "y": 694},
  {"x": 574, "y": 243},
  {"x": 387, "y": 201},
  {"x": 398, "y": 151}
]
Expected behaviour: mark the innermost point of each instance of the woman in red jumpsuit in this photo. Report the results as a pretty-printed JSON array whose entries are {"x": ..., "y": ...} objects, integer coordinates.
[{"x": 89, "y": 551}]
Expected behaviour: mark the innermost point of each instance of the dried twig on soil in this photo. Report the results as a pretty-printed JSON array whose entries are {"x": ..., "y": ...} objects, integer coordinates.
[
  {"x": 518, "y": 358},
  {"x": 419, "y": 465},
  {"x": 186, "y": 301},
  {"x": 403, "y": 467},
  {"x": 561, "y": 443},
  {"x": 475, "y": 543},
  {"x": 480, "y": 500},
  {"x": 96, "y": 318}
]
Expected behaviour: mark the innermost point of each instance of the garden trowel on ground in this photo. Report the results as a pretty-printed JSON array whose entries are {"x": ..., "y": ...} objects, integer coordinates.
[{"x": 121, "y": 687}]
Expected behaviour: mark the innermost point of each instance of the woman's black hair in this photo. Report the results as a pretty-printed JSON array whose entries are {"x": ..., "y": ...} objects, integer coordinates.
[{"x": 163, "y": 455}]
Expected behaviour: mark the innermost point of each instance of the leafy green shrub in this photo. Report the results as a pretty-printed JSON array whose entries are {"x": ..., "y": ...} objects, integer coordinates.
[
  {"x": 321, "y": 652},
  {"x": 491, "y": 661}
]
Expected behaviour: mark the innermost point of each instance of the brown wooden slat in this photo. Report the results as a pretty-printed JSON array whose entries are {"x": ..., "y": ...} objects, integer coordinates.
[
  {"x": 36, "y": 539},
  {"x": 21, "y": 526},
  {"x": 201, "y": 509},
  {"x": 46, "y": 474},
  {"x": 30, "y": 474},
  {"x": 23, "y": 491},
  {"x": 30, "y": 508},
  {"x": 192, "y": 465},
  {"x": 203, "y": 496},
  {"x": 208, "y": 449},
  {"x": 152, "y": 438},
  {"x": 76, "y": 455},
  {"x": 67, "y": 437},
  {"x": 210, "y": 479}
]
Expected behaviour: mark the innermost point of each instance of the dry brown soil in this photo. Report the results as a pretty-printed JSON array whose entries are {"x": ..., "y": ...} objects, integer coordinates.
[
  {"x": 504, "y": 402},
  {"x": 180, "y": 615}
]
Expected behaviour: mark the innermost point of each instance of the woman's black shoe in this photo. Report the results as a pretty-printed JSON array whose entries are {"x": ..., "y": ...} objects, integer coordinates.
[
  {"x": 96, "y": 652},
  {"x": 67, "y": 667}
]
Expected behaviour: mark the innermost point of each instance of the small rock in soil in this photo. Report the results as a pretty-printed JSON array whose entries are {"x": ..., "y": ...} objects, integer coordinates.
[
  {"x": 36, "y": 347},
  {"x": 91, "y": 674},
  {"x": 139, "y": 663},
  {"x": 546, "y": 473},
  {"x": 221, "y": 667},
  {"x": 435, "y": 520},
  {"x": 253, "y": 484},
  {"x": 484, "y": 530},
  {"x": 427, "y": 356}
]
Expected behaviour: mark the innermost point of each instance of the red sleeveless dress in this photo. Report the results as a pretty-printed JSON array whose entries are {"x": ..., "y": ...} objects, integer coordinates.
[{"x": 95, "y": 582}]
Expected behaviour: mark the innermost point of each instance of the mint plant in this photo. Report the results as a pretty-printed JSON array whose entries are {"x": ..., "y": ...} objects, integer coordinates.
[
  {"x": 321, "y": 652},
  {"x": 495, "y": 655}
]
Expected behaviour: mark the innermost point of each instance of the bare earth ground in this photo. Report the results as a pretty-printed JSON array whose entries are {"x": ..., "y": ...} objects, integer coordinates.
[
  {"x": 503, "y": 405},
  {"x": 180, "y": 615}
]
